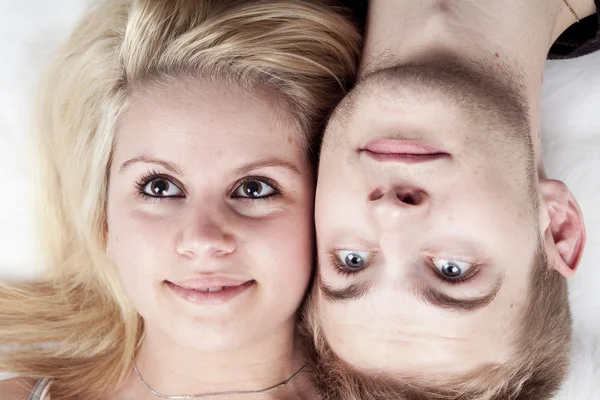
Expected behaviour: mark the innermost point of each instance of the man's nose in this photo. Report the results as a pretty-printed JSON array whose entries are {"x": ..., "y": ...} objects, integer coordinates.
[{"x": 392, "y": 206}]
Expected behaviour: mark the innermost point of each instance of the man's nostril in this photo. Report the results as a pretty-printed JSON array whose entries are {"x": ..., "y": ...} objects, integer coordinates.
[
  {"x": 411, "y": 198},
  {"x": 406, "y": 195},
  {"x": 376, "y": 195},
  {"x": 407, "y": 199}
]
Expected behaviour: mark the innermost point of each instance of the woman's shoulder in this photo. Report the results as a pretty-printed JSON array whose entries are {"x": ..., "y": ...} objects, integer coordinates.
[{"x": 16, "y": 388}]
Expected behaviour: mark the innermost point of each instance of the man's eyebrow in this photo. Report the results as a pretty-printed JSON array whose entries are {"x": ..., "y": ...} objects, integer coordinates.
[
  {"x": 354, "y": 291},
  {"x": 151, "y": 160},
  {"x": 441, "y": 300},
  {"x": 428, "y": 294}
]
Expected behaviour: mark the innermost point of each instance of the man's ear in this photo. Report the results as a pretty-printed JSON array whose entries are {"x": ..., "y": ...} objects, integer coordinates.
[{"x": 562, "y": 226}]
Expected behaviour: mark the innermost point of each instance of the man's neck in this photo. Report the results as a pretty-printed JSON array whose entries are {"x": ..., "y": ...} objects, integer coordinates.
[{"x": 513, "y": 33}]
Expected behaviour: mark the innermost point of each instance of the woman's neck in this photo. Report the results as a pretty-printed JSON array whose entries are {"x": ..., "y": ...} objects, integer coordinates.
[{"x": 175, "y": 370}]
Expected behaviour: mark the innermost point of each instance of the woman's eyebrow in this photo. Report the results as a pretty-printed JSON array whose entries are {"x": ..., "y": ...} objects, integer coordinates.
[
  {"x": 269, "y": 162},
  {"x": 151, "y": 160},
  {"x": 244, "y": 169}
]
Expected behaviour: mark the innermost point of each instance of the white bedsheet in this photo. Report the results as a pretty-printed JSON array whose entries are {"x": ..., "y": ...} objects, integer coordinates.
[{"x": 31, "y": 29}]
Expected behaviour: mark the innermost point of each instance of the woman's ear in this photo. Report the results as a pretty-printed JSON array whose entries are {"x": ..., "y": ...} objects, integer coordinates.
[
  {"x": 563, "y": 227},
  {"x": 106, "y": 239}
]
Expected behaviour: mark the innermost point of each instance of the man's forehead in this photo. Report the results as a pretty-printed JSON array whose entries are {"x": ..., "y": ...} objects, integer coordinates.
[{"x": 408, "y": 349}]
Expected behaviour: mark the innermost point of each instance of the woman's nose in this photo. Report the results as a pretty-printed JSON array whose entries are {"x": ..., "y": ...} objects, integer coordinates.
[{"x": 206, "y": 234}]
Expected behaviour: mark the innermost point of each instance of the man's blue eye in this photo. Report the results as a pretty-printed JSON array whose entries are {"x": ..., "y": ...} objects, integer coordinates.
[
  {"x": 354, "y": 260},
  {"x": 452, "y": 269}
]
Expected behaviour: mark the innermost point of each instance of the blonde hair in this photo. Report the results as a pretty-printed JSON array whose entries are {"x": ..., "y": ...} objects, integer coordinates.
[
  {"x": 535, "y": 371},
  {"x": 76, "y": 325}
]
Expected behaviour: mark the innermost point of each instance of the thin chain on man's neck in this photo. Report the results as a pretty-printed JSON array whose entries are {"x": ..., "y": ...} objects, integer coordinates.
[{"x": 572, "y": 10}]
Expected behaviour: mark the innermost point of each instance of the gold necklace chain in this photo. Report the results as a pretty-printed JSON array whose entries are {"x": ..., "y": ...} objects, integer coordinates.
[
  {"x": 572, "y": 11},
  {"x": 216, "y": 394}
]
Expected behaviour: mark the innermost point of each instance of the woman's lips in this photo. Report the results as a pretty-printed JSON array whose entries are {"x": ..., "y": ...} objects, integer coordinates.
[{"x": 210, "y": 293}]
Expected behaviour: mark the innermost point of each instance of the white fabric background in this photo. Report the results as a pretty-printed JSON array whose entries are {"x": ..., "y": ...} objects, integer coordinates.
[{"x": 31, "y": 29}]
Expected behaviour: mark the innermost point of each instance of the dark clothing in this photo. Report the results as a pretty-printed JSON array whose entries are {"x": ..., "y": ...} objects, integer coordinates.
[{"x": 580, "y": 39}]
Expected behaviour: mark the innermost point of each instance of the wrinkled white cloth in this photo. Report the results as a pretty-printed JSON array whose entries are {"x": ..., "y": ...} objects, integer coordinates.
[
  {"x": 571, "y": 145},
  {"x": 31, "y": 29}
]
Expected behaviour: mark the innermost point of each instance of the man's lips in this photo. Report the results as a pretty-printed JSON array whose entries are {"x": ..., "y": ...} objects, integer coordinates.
[{"x": 406, "y": 151}]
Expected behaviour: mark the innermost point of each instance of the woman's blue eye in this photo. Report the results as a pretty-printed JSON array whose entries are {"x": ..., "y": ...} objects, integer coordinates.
[
  {"x": 354, "y": 260},
  {"x": 452, "y": 269},
  {"x": 254, "y": 189},
  {"x": 161, "y": 187}
]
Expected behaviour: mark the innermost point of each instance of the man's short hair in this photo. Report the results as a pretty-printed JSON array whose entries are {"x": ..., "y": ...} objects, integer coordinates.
[{"x": 538, "y": 365}]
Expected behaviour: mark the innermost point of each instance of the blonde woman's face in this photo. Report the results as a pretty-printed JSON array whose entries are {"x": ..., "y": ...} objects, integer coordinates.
[{"x": 210, "y": 214}]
